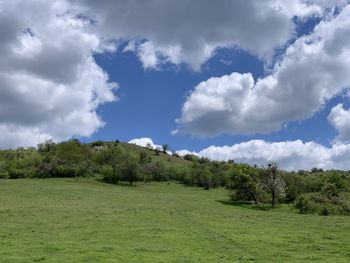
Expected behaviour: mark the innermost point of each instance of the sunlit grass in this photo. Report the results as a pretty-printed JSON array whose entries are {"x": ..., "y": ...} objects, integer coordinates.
[{"x": 68, "y": 220}]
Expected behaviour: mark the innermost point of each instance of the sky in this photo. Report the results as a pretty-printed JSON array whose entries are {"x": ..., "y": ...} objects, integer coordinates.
[{"x": 249, "y": 80}]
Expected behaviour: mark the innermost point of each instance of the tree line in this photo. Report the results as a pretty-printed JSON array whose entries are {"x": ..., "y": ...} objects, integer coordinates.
[{"x": 314, "y": 191}]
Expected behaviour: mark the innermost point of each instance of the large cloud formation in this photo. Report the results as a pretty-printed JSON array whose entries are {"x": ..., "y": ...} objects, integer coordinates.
[
  {"x": 189, "y": 31},
  {"x": 290, "y": 155},
  {"x": 314, "y": 69},
  {"x": 50, "y": 85}
]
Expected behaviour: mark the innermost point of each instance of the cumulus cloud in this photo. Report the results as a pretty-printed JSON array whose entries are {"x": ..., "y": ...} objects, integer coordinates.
[
  {"x": 339, "y": 117},
  {"x": 182, "y": 153},
  {"x": 314, "y": 69},
  {"x": 290, "y": 155},
  {"x": 50, "y": 84},
  {"x": 190, "y": 30},
  {"x": 145, "y": 142}
]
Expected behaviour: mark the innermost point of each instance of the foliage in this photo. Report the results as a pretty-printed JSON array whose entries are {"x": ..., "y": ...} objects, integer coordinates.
[{"x": 314, "y": 191}]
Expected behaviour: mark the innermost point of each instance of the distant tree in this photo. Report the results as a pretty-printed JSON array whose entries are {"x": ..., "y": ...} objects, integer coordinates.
[
  {"x": 316, "y": 170},
  {"x": 97, "y": 144},
  {"x": 165, "y": 148},
  {"x": 46, "y": 146},
  {"x": 175, "y": 154},
  {"x": 158, "y": 150},
  {"x": 144, "y": 158},
  {"x": 149, "y": 146},
  {"x": 188, "y": 157},
  {"x": 203, "y": 160},
  {"x": 129, "y": 168}
]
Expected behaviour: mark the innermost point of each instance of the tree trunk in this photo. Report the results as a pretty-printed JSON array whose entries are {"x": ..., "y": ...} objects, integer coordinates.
[{"x": 252, "y": 195}]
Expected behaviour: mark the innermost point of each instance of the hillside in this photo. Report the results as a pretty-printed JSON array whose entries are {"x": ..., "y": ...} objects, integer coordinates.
[{"x": 166, "y": 159}]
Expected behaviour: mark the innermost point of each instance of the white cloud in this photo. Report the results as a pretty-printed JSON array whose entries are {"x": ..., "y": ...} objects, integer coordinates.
[
  {"x": 50, "y": 84},
  {"x": 182, "y": 153},
  {"x": 146, "y": 52},
  {"x": 145, "y": 142},
  {"x": 313, "y": 70},
  {"x": 290, "y": 155},
  {"x": 190, "y": 30},
  {"x": 339, "y": 117}
]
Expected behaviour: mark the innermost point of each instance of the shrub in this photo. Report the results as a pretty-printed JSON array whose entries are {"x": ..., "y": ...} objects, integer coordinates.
[
  {"x": 109, "y": 174},
  {"x": 15, "y": 173},
  {"x": 4, "y": 174},
  {"x": 305, "y": 205},
  {"x": 321, "y": 204}
]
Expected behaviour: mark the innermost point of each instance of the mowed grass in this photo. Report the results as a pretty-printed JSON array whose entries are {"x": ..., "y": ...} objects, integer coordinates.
[{"x": 69, "y": 220}]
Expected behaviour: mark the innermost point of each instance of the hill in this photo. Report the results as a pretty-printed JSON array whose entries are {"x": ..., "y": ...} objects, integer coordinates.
[{"x": 166, "y": 159}]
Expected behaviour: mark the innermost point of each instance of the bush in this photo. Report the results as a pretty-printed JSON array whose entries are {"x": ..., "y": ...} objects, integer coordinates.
[
  {"x": 322, "y": 205},
  {"x": 109, "y": 174},
  {"x": 305, "y": 205},
  {"x": 4, "y": 174},
  {"x": 15, "y": 173},
  {"x": 292, "y": 193},
  {"x": 62, "y": 169}
]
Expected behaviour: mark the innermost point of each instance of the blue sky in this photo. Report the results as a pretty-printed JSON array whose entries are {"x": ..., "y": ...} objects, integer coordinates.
[
  {"x": 150, "y": 100},
  {"x": 249, "y": 80}
]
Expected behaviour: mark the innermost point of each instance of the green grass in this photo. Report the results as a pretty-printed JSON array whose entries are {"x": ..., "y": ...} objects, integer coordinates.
[
  {"x": 166, "y": 159},
  {"x": 68, "y": 220}
]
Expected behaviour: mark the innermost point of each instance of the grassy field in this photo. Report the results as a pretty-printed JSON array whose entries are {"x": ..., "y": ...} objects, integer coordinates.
[{"x": 68, "y": 220}]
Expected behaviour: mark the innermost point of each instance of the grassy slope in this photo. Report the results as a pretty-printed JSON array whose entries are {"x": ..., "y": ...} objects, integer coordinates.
[
  {"x": 68, "y": 220},
  {"x": 166, "y": 159}
]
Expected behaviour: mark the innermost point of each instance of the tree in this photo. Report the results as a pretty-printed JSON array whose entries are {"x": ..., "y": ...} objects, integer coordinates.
[
  {"x": 275, "y": 183},
  {"x": 46, "y": 146},
  {"x": 158, "y": 150},
  {"x": 144, "y": 158},
  {"x": 165, "y": 148},
  {"x": 244, "y": 183},
  {"x": 129, "y": 168},
  {"x": 109, "y": 174}
]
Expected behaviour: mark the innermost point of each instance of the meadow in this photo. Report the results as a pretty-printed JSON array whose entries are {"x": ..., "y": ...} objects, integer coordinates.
[{"x": 84, "y": 220}]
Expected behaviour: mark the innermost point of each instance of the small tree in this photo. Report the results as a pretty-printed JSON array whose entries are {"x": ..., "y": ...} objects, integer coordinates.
[
  {"x": 275, "y": 183},
  {"x": 165, "y": 148},
  {"x": 144, "y": 158},
  {"x": 129, "y": 168},
  {"x": 244, "y": 183},
  {"x": 158, "y": 150},
  {"x": 109, "y": 174}
]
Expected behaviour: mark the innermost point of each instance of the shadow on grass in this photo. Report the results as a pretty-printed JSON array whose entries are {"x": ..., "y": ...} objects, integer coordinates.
[
  {"x": 248, "y": 205},
  {"x": 121, "y": 183}
]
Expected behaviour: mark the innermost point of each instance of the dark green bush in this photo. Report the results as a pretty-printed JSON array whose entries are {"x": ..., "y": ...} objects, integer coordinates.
[
  {"x": 109, "y": 174},
  {"x": 305, "y": 205},
  {"x": 16, "y": 173}
]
